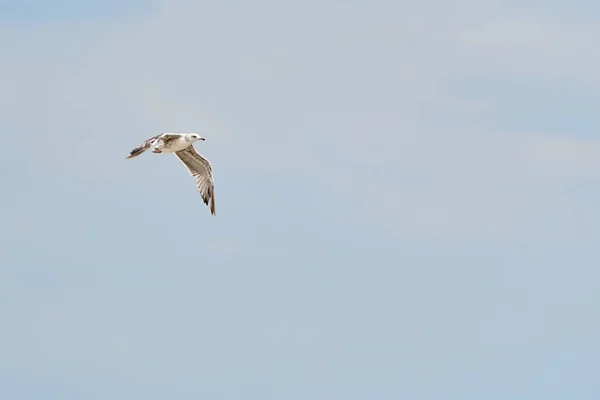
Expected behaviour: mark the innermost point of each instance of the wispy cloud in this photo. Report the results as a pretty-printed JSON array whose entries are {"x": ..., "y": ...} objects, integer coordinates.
[{"x": 292, "y": 95}]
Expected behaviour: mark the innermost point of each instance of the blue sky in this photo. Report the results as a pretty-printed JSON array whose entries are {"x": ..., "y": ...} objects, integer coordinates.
[
  {"x": 406, "y": 201},
  {"x": 24, "y": 11}
]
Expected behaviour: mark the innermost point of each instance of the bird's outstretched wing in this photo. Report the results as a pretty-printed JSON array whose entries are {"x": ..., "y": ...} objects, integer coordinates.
[
  {"x": 144, "y": 146},
  {"x": 200, "y": 168}
]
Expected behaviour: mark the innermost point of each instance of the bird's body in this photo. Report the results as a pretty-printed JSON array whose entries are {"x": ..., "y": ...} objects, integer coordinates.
[{"x": 181, "y": 144}]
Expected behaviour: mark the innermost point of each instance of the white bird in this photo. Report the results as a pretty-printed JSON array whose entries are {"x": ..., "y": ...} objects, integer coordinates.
[{"x": 198, "y": 166}]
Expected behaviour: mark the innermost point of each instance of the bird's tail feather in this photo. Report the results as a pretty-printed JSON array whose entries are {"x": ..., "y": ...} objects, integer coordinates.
[
  {"x": 142, "y": 147},
  {"x": 136, "y": 152}
]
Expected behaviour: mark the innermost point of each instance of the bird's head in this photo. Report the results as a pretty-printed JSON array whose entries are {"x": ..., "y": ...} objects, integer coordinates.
[{"x": 195, "y": 136}]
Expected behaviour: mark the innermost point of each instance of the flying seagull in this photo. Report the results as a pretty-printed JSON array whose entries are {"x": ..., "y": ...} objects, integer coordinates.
[{"x": 198, "y": 166}]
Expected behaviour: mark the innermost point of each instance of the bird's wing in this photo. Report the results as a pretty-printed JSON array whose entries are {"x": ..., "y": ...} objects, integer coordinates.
[
  {"x": 200, "y": 168},
  {"x": 144, "y": 146},
  {"x": 169, "y": 137}
]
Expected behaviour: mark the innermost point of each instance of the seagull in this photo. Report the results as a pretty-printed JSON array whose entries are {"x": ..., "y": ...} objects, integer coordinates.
[{"x": 182, "y": 145}]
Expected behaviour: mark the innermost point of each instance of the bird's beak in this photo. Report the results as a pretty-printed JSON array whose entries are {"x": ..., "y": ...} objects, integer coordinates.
[{"x": 202, "y": 138}]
